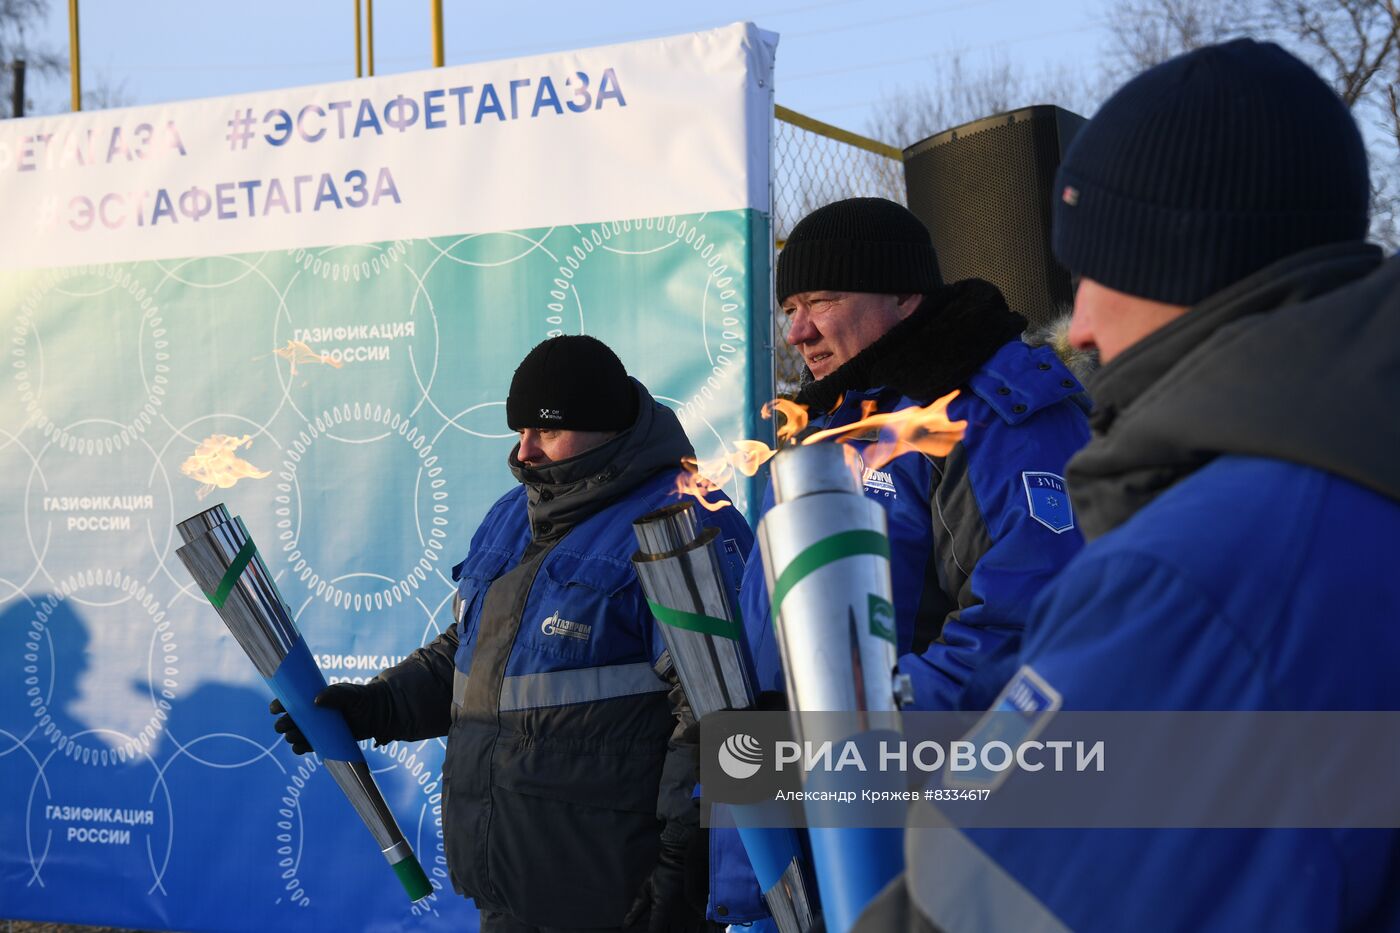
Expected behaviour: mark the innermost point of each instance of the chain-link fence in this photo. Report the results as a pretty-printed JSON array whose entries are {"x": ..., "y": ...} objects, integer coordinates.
[{"x": 815, "y": 163}]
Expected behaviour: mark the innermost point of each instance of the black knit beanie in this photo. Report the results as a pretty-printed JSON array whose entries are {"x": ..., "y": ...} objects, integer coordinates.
[
  {"x": 1207, "y": 168},
  {"x": 858, "y": 245},
  {"x": 571, "y": 383}
]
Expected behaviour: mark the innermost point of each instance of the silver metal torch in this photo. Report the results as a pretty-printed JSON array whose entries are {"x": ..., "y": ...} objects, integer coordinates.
[
  {"x": 682, "y": 576},
  {"x": 223, "y": 560},
  {"x": 826, "y": 560}
]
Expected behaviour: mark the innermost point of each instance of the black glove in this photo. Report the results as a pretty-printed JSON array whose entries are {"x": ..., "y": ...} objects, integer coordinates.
[
  {"x": 364, "y": 706},
  {"x": 661, "y": 905}
]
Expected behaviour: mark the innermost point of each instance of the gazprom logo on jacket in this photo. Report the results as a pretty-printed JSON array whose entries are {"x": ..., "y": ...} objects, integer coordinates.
[
  {"x": 880, "y": 482},
  {"x": 554, "y": 625},
  {"x": 1048, "y": 501}
]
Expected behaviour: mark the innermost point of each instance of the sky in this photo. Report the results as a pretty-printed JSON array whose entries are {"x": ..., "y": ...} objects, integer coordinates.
[{"x": 838, "y": 60}]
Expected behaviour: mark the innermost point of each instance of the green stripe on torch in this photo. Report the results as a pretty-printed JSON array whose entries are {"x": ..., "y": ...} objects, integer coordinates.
[
  {"x": 692, "y": 622},
  {"x": 826, "y": 551},
  {"x": 235, "y": 570}
]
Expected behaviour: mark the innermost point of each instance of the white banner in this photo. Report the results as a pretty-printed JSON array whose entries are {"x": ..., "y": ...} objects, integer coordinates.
[{"x": 533, "y": 142}]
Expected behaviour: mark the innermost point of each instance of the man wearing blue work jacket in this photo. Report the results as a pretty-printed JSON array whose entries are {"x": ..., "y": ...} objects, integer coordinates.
[
  {"x": 974, "y": 535},
  {"x": 1241, "y": 499},
  {"x": 568, "y": 778}
]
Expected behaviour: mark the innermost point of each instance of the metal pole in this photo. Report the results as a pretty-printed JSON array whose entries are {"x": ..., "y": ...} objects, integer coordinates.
[
  {"x": 438, "y": 59},
  {"x": 369, "y": 34},
  {"x": 74, "y": 60},
  {"x": 17, "y": 91},
  {"x": 359, "y": 67}
]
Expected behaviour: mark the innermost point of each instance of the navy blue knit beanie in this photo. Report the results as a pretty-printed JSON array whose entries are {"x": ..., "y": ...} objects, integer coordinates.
[{"x": 1207, "y": 168}]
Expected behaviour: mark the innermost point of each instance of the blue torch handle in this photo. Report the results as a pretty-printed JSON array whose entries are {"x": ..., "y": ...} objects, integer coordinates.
[
  {"x": 770, "y": 852},
  {"x": 296, "y": 682}
]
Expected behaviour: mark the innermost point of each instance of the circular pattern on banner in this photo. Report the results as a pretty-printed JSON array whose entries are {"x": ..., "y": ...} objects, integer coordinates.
[
  {"x": 116, "y": 368},
  {"x": 388, "y": 444},
  {"x": 644, "y": 235},
  {"x": 16, "y": 286},
  {"x": 624, "y": 237},
  {"x": 20, "y": 567},
  {"x": 464, "y": 442},
  {"x": 486, "y": 421},
  {"x": 410, "y": 778},
  {"x": 211, "y": 272},
  {"x": 351, "y": 331},
  {"x": 126, "y": 816},
  {"x": 16, "y": 718},
  {"x": 78, "y": 514},
  {"x": 213, "y": 776},
  {"x": 323, "y": 625},
  {"x": 479, "y": 284},
  {"x": 221, "y": 319},
  {"x": 418, "y": 766},
  {"x": 60, "y": 685}
]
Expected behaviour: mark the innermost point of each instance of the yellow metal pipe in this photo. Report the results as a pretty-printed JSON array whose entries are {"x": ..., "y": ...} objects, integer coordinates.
[
  {"x": 359, "y": 67},
  {"x": 74, "y": 61},
  {"x": 835, "y": 132},
  {"x": 369, "y": 34},
  {"x": 438, "y": 59}
]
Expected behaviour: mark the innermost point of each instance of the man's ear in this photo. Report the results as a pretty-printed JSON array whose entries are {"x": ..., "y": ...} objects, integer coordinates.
[{"x": 908, "y": 304}]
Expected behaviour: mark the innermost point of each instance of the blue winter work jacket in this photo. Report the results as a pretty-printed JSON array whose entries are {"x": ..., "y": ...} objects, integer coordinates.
[
  {"x": 559, "y": 704},
  {"x": 1243, "y": 503}
]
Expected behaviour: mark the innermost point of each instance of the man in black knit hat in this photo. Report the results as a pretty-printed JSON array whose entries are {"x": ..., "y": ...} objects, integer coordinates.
[
  {"x": 568, "y": 784},
  {"x": 1241, "y": 502},
  {"x": 974, "y": 535}
]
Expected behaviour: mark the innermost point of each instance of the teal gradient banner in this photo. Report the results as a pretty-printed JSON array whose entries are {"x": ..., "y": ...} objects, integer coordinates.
[{"x": 349, "y": 403}]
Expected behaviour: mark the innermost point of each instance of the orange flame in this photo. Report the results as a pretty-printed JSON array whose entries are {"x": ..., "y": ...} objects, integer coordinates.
[
  {"x": 926, "y": 430},
  {"x": 297, "y": 351},
  {"x": 749, "y": 455},
  {"x": 794, "y": 418},
  {"x": 701, "y": 479},
  {"x": 215, "y": 464},
  {"x": 854, "y": 462}
]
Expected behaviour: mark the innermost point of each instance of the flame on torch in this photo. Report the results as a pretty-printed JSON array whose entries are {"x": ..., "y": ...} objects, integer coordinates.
[
  {"x": 702, "y": 478},
  {"x": 794, "y": 418},
  {"x": 925, "y": 430},
  {"x": 749, "y": 456},
  {"x": 215, "y": 464}
]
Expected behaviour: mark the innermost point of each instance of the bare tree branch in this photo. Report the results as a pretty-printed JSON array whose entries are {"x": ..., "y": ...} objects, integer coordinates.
[{"x": 1148, "y": 32}]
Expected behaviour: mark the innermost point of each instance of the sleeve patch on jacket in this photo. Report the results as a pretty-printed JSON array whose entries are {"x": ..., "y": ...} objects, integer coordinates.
[
  {"x": 1029, "y": 693},
  {"x": 1022, "y": 710},
  {"x": 1048, "y": 501}
]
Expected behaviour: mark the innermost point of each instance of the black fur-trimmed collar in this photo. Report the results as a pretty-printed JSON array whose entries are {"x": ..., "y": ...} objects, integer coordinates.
[{"x": 928, "y": 354}]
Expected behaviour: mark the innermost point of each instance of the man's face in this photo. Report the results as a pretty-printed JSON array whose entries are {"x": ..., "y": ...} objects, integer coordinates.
[
  {"x": 539, "y": 446},
  {"x": 831, "y": 327},
  {"x": 1112, "y": 321}
]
